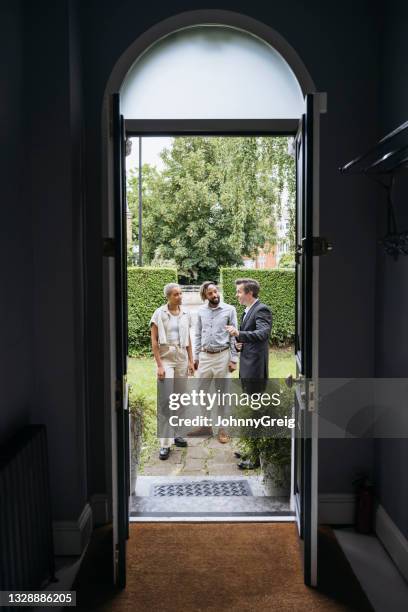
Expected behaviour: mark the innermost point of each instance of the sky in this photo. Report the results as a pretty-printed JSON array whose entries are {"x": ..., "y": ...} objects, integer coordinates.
[{"x": 151, "y": 147}]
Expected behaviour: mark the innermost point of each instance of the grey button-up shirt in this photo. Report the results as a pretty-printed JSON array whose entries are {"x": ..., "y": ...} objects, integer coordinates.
[{"x": 210, "y": 332}]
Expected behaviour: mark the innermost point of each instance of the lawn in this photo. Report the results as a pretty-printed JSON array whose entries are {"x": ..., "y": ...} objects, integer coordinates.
[
  {"x": 142, "y": 381},
  {"x": 142, "y": 371}
]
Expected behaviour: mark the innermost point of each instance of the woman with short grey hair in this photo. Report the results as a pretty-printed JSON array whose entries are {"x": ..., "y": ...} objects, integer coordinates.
[
  {"x": 167, "y": 289},
  {"x": 171, "y": 346}
]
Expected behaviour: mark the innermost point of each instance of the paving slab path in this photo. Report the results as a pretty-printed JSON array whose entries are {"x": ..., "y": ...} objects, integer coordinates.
[{"x": 202, "y": 456}]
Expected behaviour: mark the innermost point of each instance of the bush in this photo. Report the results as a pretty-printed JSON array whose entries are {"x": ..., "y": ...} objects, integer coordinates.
[
  {"x": 146, "y": 419},
  {"x": 276, "y": 447},
  {"x": 277, "y": 292},
  {"x": 145, "y": 294},
  {"x": 287, "y": 261}
]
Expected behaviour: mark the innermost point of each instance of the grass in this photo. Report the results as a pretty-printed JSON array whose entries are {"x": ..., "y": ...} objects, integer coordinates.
[
  {"x": 142, "y": 380},
  {"x": 142, "y": 371},
  {"x": 142, "y": 376}
]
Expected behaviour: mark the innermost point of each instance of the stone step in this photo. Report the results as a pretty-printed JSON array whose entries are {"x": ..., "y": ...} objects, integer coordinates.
[
  {"x": 257, "y": 503},
  {"x": 208, "y": 505}
]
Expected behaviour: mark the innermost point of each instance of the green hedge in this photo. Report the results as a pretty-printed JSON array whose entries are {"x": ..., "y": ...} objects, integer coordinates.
[
  {"x": 277, "y": 291},
  {"x": 145, "y": 294}
]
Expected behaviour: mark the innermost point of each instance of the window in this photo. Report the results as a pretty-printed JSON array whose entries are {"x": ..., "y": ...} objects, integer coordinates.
[{"x": 211, "y": 72}]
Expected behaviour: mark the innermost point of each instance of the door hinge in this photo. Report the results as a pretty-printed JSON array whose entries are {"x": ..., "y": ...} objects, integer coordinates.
[
  {"x": 319, "y": 246},
  {"x": 128, "y": 147},
  {"x": 108, "y": 247},
  {"x": 311, "y": 397}
]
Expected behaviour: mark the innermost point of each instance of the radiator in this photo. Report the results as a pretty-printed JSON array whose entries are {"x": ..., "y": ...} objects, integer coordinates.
[{"x": 26, "y": 545}]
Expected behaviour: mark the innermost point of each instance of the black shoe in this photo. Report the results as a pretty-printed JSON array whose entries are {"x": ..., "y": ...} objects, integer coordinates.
[
  {"x": 164, "y": 453},
  {"x": 248, "y": 464},
  {"x": 180, "y": 442},
  {"x": 239, "y": 455}
]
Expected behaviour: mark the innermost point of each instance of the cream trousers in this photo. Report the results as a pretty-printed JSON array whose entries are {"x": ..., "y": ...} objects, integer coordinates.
[
  {"x": 210, "y": 366},
  {"x": 175, "y": 364}
]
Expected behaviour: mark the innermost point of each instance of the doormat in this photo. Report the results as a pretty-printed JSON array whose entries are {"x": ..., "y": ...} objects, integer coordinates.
[{"x": 203, "y": 488}]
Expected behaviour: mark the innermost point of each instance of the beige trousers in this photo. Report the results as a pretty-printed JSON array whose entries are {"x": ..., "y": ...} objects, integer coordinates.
[
  {"x": 175, "y": 364},
  {"x": 210, "y": 366}
]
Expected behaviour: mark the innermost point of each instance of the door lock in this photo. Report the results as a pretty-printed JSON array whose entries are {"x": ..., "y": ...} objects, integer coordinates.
[{"x": 290, "y": 381}]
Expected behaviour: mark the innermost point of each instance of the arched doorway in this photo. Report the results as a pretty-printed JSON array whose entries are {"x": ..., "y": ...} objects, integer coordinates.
[{"x": 263, "y": 95}]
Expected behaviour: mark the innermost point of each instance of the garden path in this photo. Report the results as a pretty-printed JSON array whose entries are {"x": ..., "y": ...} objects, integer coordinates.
[{"x": 202, "y": 457}]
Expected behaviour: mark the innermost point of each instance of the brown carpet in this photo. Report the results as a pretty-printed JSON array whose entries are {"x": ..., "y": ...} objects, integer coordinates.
[{"x": 218, "y": 566}]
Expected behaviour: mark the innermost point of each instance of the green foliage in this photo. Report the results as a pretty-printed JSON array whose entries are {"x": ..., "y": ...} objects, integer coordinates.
[
  {"x": 215, "y": 201},
  {"x": 149, "y": 177},
  {"x": 279, "y": 169},
  {"x": 276, "y": 445},
  {"x": 277, "y": 292},
  {"x": 145, "y": 294},
  {"x": 275, "y": 450},
  {"x": 145, "y": 411},
  {"x": 287, "y": 260}
]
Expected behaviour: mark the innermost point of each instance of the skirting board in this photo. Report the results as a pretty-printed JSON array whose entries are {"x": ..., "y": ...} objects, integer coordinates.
[
  {"x": 71, "y": 537},
  {"x": 394, "y": 542},
  {"x": 337, "y": 508}
]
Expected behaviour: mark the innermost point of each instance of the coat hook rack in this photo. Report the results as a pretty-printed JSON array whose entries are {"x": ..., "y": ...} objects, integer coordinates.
[{"x": 387, "y": 158}]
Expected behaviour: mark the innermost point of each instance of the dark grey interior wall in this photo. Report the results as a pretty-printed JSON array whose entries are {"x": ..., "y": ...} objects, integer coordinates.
[
  {"x": 15, "y": 233},
  {"x": 54, "y": 136},
  {"x": 339, "y": 45},
  {"x": 347, "y": 219},
  {"x": 42, "y": 313},
  {"x": 391, "y": 477}
]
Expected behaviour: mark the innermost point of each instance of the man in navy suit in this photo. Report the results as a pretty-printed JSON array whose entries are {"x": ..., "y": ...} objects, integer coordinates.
[
  {"x": 253, "y": 334},
  {"x": 252, "y": 341}
]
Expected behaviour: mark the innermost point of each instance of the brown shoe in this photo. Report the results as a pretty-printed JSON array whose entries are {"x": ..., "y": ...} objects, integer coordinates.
[
  {"x": 223, "y": 437},
  {"x": 200, "y": 432}
]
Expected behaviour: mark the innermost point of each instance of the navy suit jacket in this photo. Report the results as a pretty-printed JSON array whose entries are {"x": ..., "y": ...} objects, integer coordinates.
[{"x": 254, "y": 333}]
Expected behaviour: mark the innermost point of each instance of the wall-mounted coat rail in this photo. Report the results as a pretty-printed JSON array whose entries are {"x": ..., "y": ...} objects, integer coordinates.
[
  {"x": 382, "y": 162},
  {"x": 389, "y": 154}
]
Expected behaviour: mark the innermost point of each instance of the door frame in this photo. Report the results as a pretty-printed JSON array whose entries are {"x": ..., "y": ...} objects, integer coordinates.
[
  {"x": 307, "y": 353},
  {"x": 211, "y": 127},
  {"x": 114, "y": 83},
  {"x": 242, "y": 127},
  {"x": 231, "y": 128}
]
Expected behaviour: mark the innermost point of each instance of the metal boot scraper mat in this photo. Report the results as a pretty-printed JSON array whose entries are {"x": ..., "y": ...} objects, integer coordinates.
[{"x": 203, "y": 488}]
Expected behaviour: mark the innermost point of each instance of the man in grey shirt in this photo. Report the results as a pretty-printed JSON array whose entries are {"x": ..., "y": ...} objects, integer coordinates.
[{"x": 215, "y": 354}]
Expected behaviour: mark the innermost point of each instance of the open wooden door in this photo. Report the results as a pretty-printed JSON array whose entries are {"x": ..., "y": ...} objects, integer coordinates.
[
  {"x": 119, "y": 251},
  {"x": 309, "y": 247}
]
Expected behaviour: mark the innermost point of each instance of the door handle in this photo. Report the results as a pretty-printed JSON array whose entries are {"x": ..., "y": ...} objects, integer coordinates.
[{"x": 290, "y": 381}]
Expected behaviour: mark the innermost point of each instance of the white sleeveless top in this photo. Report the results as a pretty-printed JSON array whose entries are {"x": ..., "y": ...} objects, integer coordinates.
[{"x": 173, "y": 332}]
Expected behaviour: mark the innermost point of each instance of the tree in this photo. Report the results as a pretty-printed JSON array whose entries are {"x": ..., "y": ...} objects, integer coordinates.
[
  {"x": 214, "y": 202},
  {"x": 149, "y": 177},
  {"x": 279, "y": 167}
]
